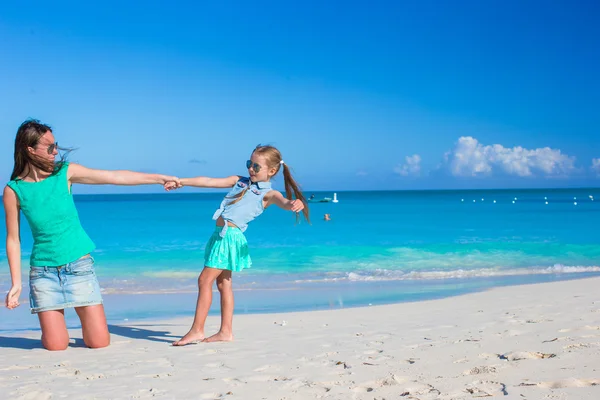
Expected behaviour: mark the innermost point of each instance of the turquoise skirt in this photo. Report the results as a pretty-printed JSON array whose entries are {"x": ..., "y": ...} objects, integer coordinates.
[{"x": 229, "y": 252}]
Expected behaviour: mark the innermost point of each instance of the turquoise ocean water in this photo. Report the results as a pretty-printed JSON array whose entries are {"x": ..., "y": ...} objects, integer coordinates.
[{"x": 379, "y": 247}]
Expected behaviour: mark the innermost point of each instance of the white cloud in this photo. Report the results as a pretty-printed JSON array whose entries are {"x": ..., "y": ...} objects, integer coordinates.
[
  {"x": 411, "y": 167},
  {"x": 596, "y": 165},
  {"x": 471, "y": 158}
]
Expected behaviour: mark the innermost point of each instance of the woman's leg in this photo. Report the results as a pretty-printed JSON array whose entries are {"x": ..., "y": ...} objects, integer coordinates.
[
  {"x": 225, "y": 334},
  {"x": 93, "y": 325},
  {"x": 205, "y": 283},
  {"x": 54, "y": 330}
]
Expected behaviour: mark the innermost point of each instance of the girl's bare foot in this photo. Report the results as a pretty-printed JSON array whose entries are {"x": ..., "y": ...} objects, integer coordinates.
[
  {"x": 190, "y": 337},
  {"x": 219, "y": 337}
]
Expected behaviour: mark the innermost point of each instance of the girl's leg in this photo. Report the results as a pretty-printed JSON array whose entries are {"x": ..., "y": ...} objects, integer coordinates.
[
  {"x": 225, "y": 334},
  {"x": 54, "y": 330},
  {"x": 93, "y": 325},
  {"x": 205, "y": 283}
]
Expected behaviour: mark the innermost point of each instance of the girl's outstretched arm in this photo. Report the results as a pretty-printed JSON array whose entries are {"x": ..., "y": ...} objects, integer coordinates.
[
  {"x": 13, "y": 245},
  {"x": 80, "y": 174},
  {"x": 206, "y": 182},
  {"x": 275, "y": 197}
]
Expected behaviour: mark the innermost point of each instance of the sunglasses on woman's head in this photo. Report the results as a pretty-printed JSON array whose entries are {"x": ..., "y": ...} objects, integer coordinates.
[{"x": 254, "y": 166}]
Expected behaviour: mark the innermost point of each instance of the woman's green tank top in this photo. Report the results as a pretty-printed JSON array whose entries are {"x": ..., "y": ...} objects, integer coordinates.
[{"x": 58, "y": 237}]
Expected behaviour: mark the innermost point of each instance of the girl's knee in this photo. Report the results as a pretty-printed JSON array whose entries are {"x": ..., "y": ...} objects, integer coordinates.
[
  {"x": 224, "y": 285},
  {"x": 204, "y": 281}
]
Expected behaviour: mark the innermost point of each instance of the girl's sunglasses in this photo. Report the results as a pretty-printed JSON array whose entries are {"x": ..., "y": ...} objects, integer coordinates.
[{"x": 254, "y": 166}]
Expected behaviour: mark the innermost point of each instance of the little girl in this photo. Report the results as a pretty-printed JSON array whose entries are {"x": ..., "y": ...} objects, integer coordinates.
[{"x": 227, "y": 249}]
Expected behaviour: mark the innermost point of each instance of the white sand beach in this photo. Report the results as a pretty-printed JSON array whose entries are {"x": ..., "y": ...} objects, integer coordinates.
[{"x": 525, "y": 342}]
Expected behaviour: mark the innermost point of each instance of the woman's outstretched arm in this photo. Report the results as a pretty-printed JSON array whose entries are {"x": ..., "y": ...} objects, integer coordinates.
[{"x": 80, "y": 174}]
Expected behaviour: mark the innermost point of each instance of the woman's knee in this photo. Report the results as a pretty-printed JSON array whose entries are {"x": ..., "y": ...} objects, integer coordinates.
[
  {"x": 97, "y": 343},
  {"x": 55, "y": 336},
  {"x": 55, "y": 343}
]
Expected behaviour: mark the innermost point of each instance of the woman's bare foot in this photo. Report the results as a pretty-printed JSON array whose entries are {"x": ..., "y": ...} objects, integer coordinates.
[
  {"x": 219, "y": 337},
  {"x": 190, "y": 337}
]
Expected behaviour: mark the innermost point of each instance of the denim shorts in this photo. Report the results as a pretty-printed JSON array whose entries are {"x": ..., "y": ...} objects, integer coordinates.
[{"x": 70, "y": 285}]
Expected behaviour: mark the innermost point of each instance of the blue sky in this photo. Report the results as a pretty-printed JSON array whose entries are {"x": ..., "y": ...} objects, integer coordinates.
[{"x": 357, "y": 95}]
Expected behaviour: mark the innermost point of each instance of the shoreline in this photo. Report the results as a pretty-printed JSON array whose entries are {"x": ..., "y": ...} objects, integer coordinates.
[{"x": 327, "y": 296}]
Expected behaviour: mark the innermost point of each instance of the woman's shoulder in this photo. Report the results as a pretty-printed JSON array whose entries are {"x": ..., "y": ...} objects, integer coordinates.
[
  {"x": 10, "y": 194},
  {"x": 60, "y": 168},
  {"x": 12, "y": 186},
  {"x": 64, "y": 166},
  {"x": 9, "y": 188}
]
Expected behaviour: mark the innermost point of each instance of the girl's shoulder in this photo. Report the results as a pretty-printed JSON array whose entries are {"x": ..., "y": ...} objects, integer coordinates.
[
  {"x": 272, "y": 193},
  {"x": 243, "y": 181},
  {"x": 241, "y": 184}
]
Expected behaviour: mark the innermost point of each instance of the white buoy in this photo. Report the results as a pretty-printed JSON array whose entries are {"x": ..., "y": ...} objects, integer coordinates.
[
  {"x": 513, "y": 202},
  {"x": 574, "y": 198},
  {"x": 575, "y": 203},
  {"x": 335, "y": 200},
  {"x": 482, "y": 199},
  {"x": 545, "y": 198},
  {"x": 462, "y": 200},
  {"x": 474, "y": 201},
  {"x": 546, "y": 202},
  {"x": 494, "y": 201},
  {"x": 515, "y": 199}
]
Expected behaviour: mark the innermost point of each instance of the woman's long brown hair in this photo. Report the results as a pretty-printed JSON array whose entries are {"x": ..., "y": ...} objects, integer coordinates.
[{"x": 28, "y": 135}]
